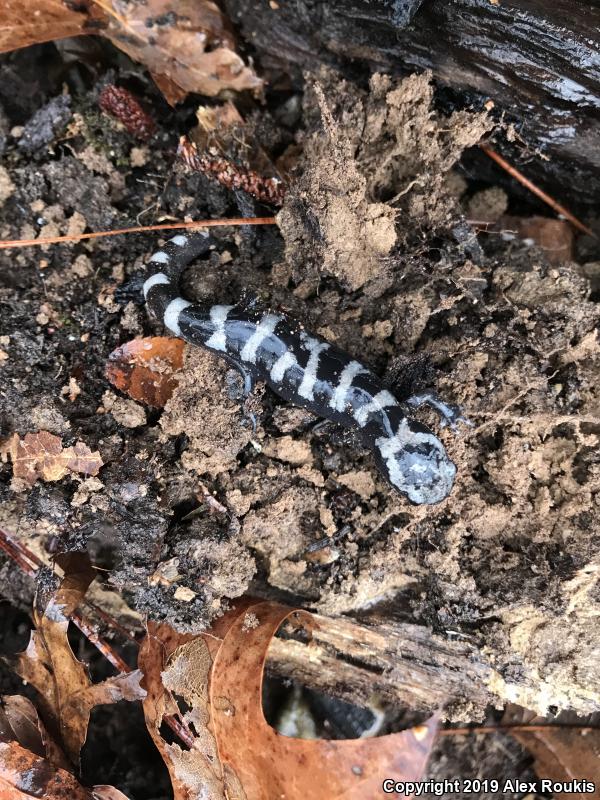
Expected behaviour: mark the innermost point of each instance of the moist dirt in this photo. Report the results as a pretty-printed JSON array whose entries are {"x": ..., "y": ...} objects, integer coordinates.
[{"x": 194, "y": 504}]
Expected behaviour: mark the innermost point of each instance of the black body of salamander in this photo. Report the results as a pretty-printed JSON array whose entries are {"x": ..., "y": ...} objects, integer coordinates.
[{"x": 307, "y": 371}]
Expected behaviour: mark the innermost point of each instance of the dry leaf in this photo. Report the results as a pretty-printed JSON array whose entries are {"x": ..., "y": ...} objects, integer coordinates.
[
  {"x": 103, "y": 792},
  {"x": 28, "y": 763},
  {"x": 186, "y": 44},
  {"x": 42, "y": 455},
  {"x": 144, "y": 368},
  {"x": 554, "y": 236},
  {"x": 25, "y": 775},
  {"x": 564, "y": 754},
  {"x": 19, "y": 722},
  {"x": 568, "y": 753},
  {"x": 27, "y": 23},
  {"x": 235, "y": 754},
  {"x": 49, "y": 665}
]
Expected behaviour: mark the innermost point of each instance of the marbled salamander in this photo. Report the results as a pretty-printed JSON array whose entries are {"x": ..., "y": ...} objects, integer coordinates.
[{"x": 307, "y": 371}]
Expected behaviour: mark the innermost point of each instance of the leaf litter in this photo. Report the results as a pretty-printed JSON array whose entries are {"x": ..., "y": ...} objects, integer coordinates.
[
  {"x": 188, "y": 46},
  {"x": 42, "y": 455},
  {"x": 66, "y": 692},
  {"x": 235, "y": 753},
  {"x": 145, "y": 368}
]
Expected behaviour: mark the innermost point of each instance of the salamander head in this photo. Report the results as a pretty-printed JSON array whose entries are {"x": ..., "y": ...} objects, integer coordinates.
[{"x": 415, "y": 462}]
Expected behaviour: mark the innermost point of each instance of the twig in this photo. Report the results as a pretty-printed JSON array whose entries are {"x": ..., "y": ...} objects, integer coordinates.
[
  {"x": 510, "y": 728},
  {"x": 19, "y": 554},
  {"x": 537, "y": 191},
  {"x": 206, "y": 223}
]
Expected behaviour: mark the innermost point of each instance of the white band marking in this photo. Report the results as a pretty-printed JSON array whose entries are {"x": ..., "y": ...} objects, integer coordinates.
[
  {"x": 160, "y": 257},
  {"x": 172, "y": 312},
  {"x": 218, "y": 316},
  {"x": 381, "y": 401},
  {"x": 179, "y": 240},
  {"x": 281, "y": 366},
  {"x": 315, "y": 347},
  {"x": 350, "y": 371},
  {"x": 263, "y": 330},
  {"x": 153, "y": 280}
]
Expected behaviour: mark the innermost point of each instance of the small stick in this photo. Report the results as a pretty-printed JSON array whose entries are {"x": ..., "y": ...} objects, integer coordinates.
[
  {"x": 207, "y": 223},
  {"x": 18, "y": 552},
  {"x": 533, "y": 188},
  {"x": 509, "y": 728}
]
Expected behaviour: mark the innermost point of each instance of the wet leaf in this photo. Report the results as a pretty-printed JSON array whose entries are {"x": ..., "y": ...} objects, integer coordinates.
[
  {"x": 42, "y": 455},
  {"x": 145, "y": 368},
  {"x": 66, "y": 693},
  {"x": 24, "y": 775},
  {"x": 234, "y": 753},
  {"x": 187, "y": 45}
]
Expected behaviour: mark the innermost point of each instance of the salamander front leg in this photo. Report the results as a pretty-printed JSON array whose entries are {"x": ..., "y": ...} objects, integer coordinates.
[
  {"x": 449, "y": 413},
  {"x": 241, "y": 393}
]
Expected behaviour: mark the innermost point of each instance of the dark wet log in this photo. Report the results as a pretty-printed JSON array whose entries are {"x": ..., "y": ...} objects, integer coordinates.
[{"x": 537, "y": 60}]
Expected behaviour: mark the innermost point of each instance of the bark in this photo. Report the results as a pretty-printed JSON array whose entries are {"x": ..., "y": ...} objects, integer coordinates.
[
  {"x": 397, "y": 663},
  {"x": 538, "y": 61}
]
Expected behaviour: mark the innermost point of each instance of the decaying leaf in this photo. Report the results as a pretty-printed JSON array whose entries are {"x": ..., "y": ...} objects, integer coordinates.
[
  {"x": 186, "y": 44},
  {"x": 24, "y": 775},
  {"x": 561, "y": 753},
  {"x": 144, "y": 368},
  {"x": 66, "y": 693},
  {"x": 27, "y": 23},
  {"x": 42, "y": 455},
  {"x": 235, "y": 754},
  {"x": 32, "y": 764}
]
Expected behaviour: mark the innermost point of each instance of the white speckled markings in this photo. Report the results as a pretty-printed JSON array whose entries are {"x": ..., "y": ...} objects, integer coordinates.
[
  {"x": 315, "y": 348},
  {"x": 350, "y": 371},
  {"x": 153, "y": 280},
  {"x": 172, "y": 312},
  {"x": 218, "y": 317},
  {"x": 263, "y": 330},
  {"x": 179, "y": 240}
]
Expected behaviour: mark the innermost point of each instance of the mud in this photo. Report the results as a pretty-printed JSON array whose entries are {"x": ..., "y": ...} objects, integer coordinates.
[{"x": 193, "y": 507}]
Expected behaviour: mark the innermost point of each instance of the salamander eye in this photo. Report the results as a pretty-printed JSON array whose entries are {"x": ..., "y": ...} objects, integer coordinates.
[{"x": 416, "y": 463}]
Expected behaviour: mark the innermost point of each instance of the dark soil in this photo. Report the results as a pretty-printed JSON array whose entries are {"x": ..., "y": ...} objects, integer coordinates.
[{"x": 372, "y": 251}]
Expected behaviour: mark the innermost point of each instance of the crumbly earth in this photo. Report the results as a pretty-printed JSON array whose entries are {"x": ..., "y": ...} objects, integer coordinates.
[{"x": 372, "y": 250}]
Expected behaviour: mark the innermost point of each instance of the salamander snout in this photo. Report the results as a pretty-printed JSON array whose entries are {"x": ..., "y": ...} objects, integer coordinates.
[{"x": 415, "y": 462}]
